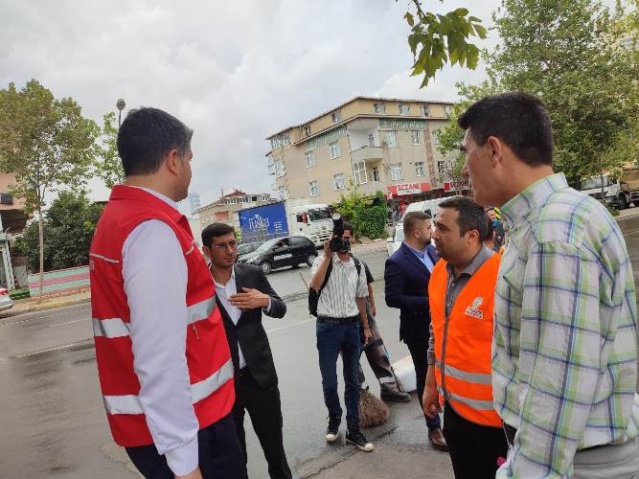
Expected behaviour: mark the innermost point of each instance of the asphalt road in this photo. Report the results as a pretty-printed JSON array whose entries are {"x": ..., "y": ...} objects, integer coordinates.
[{"x": 52, "y": 421}]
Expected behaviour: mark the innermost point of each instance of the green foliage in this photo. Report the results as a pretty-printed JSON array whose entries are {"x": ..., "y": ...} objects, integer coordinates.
[
  {"x": 367, "y": 215},
  {"x": 69, "y": 225},
  {"x": 109, "y": 168},
  {"x": 613, "y": 210},
  {"x": 437, "y": 39}
]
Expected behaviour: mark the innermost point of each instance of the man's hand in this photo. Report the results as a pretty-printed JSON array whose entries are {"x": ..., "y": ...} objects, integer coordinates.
[
  {"x": 327, "y": 250},
  {"x": 249, "y": 299},
  {"x": 196, "y": 474},
  {"x": 373, "y": 310},
  {"x": 430, "y": 402},
  {"x": 367, "y": 335}
]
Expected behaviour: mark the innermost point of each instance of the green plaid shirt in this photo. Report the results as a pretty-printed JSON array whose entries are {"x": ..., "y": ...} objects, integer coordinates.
[{"x": 565, "y": 343}]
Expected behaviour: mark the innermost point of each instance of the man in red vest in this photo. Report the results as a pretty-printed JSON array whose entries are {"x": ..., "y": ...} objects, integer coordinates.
[
  {"x": 163, "y": 359},
  {"x": 461, "y": 292}
]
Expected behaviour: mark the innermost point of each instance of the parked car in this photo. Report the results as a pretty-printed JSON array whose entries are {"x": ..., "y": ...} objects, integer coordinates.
[
  {"x": 5, "y": 301},
  {"x": 246, "y": 248},
  {"x": 395, "y": 240},
  {"x": 281, "y": 252}
]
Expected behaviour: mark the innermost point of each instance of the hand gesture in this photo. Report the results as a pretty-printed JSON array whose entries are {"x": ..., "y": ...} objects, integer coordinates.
[
  {"x": 430, "y": 402},
  {"x": 249, "y": 299}
]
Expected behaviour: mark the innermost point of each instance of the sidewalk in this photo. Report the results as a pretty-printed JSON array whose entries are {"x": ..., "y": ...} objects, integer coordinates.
[{"x": 33, "y": 304}]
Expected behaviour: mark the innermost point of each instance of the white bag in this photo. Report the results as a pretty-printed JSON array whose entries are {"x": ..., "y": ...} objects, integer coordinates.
[{"x": 405, "y": 372}]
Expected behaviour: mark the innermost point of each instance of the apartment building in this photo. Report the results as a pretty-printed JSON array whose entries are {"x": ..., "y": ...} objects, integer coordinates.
[
  {"x": 225, "y": 209},
  {"x": 380, "y": 144}
]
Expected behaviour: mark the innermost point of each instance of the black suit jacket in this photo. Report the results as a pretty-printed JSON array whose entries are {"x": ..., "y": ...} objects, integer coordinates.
[
  {"x": 406, "y": 287},
  {"x": 249, "y": 331}
]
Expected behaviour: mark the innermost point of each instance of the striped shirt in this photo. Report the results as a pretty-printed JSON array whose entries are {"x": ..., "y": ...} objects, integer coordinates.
[
  {"x": 565, "y": 343},
  {"x": 337, "y": 299}
]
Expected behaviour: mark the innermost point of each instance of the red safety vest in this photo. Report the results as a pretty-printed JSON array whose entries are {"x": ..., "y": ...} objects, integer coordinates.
[
  {"x": 463, "y": 342},
  {"x": 207, "y": 351}
]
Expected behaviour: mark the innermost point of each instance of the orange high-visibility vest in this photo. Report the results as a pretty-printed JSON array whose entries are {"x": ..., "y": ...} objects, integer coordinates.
[{"x": 463, "y": 342}]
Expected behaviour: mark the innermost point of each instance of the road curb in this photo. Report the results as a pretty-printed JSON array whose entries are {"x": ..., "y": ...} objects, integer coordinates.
[{"x": 58, "y": 304}]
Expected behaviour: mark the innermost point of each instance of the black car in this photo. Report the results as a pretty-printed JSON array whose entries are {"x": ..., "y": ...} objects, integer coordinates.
[
  {"x": 246, "y": 248},
  {"x": 281, "y": 252}
]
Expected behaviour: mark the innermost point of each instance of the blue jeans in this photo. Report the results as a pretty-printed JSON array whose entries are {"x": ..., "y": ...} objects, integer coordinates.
[{"x": 331, "y": 340}]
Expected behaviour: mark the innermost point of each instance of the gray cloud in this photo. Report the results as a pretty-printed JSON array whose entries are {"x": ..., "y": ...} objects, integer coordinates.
[{"x": 236, "y": 72}]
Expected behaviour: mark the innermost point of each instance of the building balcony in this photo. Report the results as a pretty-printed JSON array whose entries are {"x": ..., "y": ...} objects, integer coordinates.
[{"x": 367, "y": 153}]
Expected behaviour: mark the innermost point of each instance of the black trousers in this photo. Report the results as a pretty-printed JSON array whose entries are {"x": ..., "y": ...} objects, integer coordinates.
[
  {"x": 220, "y": 455},
  {"x": 473, "y": 449},
  {"x": 265, "y": 409},
  {"x": 419, "y": 353},
  {"x": 378, "y": 359}
]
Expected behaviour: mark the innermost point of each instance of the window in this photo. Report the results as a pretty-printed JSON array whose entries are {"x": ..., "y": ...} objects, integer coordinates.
[
  {"x": 379, "y": 108},
  {"x": 307, "y": 130},
  {"x": 279, "y": 168},
  {"x": 371, "y": 140},
  {"x": 336, "y": 151},
  {"x": 376, "y": 174},
  {"x": 426, "y": 110},
  {"x": 448, "y": 110},
  {"x": 441, "y": 168},
  {"x": 390, "y": 139},
  {"x": 416, "y": 136},
  {"x": 396, "y": 171},
  {"x": 359, "y": 173},
  {"x": 282, "y": 193},
  {"x": 336, "y": 117},
  {"x": 280, "y": 141},
  {"x": 419, "y": 168},
  {"x": 338, "y": 181},
  {"x": 310, "y": 159},
  {"x": 313, "y": 187},
  {"x": 404, "y": 109}
]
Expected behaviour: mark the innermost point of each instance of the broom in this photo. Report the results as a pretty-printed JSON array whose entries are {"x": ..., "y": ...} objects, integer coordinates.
[{"x": 372, "y": 410}]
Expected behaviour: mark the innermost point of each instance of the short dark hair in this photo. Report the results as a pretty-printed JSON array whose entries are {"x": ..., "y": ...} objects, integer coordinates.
[
  {"x": 471, "y": 215},
  {"x": 349, "y": 227},
  {"x": 213, "y": 231},
  {"x": 146, "y": 136},
  {"x": 518, "y": 119},
  {"x": 491, "y": 228},
  {"x": 411, "y": 219}
]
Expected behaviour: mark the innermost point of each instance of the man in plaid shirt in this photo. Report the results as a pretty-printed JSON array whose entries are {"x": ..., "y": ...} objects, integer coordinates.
[{"x": 565, "y": 340}]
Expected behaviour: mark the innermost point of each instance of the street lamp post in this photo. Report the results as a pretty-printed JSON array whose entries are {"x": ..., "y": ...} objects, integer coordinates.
[{"x": 120, "y": 104}]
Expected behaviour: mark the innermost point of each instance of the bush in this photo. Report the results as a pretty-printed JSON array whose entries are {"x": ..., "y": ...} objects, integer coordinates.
[{"x": 367, "y": 215}]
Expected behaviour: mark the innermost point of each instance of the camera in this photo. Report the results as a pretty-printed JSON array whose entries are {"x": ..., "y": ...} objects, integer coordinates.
[{"x": 338, "y": 243}]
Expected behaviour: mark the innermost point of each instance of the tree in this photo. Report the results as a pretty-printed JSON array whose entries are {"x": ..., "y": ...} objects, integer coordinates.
[
  {"x": 110, "y": 166},
  {"x": 566, "y": 53},
  {"x": 437, "y": 39},
  {"x": 367, "y": 215},
  {"x": 44, "y": 142},
  {"x": 70, "y": 223}
]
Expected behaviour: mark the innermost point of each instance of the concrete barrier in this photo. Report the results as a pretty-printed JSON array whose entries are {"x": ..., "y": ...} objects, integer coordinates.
[{"x": 62, "y": 281}]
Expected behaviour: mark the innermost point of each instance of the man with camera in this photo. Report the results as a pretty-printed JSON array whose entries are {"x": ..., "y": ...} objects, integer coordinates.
[{"x": 339, "y": 281}]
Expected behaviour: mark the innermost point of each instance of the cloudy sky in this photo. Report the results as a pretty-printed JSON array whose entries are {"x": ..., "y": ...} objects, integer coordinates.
[{"x": 234, "y": 71}]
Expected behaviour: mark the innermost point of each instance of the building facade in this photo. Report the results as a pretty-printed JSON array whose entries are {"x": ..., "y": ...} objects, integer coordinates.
[
  {"x": 380, "y": 144},
  {"x": 225, "y": 209}
]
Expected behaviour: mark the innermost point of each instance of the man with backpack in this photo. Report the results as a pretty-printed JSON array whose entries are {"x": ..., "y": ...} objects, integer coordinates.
[{"x": 338, "y": 287}]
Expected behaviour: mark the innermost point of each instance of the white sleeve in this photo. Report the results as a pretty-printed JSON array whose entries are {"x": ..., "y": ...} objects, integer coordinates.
[{"x": 155, "y": 281}]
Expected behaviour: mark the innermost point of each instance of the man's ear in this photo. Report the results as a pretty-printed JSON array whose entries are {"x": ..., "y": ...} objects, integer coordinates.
[
  {"x": 172, "y": 160},
  {"x": 207, "y": 251},
  {"x": 495, "y": 149}
]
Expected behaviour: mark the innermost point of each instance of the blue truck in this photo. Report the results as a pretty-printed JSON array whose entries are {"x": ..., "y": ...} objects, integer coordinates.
[{"x": 260, "y": 223}]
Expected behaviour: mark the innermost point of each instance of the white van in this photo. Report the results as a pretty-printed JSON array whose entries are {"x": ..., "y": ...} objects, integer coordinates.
[{"x": 429, "y": 206}]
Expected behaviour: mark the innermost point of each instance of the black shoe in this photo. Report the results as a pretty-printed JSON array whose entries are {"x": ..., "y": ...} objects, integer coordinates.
[
  {"x": 395, "y": 396},
  {"x": 333, "y": 428},
  {"x": 356, "y": 438}
]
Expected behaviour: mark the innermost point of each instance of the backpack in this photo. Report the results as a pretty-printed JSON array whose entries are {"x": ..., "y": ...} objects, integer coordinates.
[{"x": 314, "y": 296}]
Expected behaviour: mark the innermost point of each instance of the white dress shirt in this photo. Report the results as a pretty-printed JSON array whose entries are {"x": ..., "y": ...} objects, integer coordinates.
[
  {"x": 155, "y": 281},
  {"x": 223, "y": 292}
]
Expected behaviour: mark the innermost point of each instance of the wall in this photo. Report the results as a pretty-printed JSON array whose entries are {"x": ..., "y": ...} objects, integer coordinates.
[{"x": 60, "y": 281}]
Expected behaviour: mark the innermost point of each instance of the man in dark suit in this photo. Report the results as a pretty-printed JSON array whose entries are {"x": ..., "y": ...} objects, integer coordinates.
[
  {"x": 406, "y": 278},
  {"x": 243, "y": 293}
]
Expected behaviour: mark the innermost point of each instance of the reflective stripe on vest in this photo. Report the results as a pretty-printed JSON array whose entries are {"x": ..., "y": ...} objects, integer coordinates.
[
  {"x": 117, "y": 328},
  {"x": 476, "y": 404},
  {"x": 130, "y": 404},
  {"x": 465, "y": 376}
]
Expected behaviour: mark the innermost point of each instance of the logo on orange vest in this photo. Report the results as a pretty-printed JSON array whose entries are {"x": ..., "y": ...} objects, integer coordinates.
[{"x": 473, "y": 310}]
